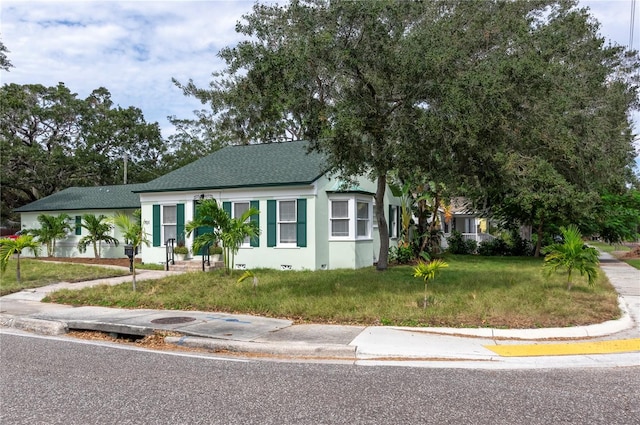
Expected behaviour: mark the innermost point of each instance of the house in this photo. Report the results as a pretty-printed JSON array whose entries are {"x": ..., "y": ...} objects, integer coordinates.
[
  {"x": 78, "y": 201},
  {"x": 464, "y": 220},
  {"x": 308, "y": 219}
]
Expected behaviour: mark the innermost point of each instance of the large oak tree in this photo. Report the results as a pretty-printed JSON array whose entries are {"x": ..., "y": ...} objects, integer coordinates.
[
  {"x": 50, "y": 140},
  {"x": 518, "y": 105}
]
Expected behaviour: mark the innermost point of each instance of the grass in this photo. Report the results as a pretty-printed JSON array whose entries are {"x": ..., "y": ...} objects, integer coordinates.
[
  {"x": 149, "y": 266},
  {"x": 474, "y": 291},
  {"x": 633, "y": 262},
  {"x": 609, "y": 248},
  {"x": 618, "y": 251},
  {"x": 36, "y": 273}
]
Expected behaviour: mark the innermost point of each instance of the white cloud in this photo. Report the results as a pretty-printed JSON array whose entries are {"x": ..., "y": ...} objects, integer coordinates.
[{"x": 134, "y": 48}]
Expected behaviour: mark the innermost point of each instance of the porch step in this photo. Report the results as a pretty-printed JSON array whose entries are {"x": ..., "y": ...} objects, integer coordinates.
[{"x": 194, "y": 266}]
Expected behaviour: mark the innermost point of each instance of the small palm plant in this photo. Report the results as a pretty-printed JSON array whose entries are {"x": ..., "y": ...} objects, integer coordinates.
[
  {"x": 572, "y": 254},
  {"x": 8, "y": 247},
  {"x": 239, "y": 229},
  {"x": 133, "y": 233},
  {"x": 211, "y": 217},
  {"x": 51, "y": 229},
  {"x": 98, "y": 229},
  {"x": 428, "y": 271},
  {"x": 254, "y": 279}
]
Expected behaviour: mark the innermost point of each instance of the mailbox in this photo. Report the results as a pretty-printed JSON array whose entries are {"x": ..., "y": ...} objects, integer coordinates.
[{"x": 130, "y": 252}]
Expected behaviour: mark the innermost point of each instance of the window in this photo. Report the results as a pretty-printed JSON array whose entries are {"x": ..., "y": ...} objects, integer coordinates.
[
  {"x": 350, "y": 218},
  {"x": 340, "y": 218},
  {"x": 286, "y": 222},
  {"x": 238, "y": 209},
  {"x": 169, "y": 222},
  {"x": 394, "y": 221},
  {"x": 362, "y": 216}
]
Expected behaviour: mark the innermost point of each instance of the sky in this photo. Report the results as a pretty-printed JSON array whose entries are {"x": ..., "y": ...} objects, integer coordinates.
[{"x": 135, "y": 48}]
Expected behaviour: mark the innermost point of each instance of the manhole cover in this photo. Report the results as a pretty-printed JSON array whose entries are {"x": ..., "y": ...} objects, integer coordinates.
[{"x": 172, "y": 320}]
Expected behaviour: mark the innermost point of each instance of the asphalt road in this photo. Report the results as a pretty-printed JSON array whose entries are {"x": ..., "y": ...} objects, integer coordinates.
[{"x": 62, "y": 381}]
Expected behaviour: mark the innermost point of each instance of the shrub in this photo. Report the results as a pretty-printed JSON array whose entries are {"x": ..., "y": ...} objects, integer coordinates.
[
  {"x": 493, "y": 247},
  {"x": 458, "y": 245},
  {"x": 401, "y": 254},
  {"x": 181, "y": 249},
  {"x": 519, "y": 246}
]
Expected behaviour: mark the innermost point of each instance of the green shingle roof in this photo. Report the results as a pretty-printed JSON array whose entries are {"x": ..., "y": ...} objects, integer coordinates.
[
  {"x": 88, "y": 198},
  {"x": 272, "y": 164}
]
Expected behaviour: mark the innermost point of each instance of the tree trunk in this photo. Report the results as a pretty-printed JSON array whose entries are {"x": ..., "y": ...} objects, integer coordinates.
[
  {"x": 134, "y": 274},
  {"x": 539, "y": 241},
  {"x": 383, "y": 229},
  {"x": 95, "y": 250},
  {"x": 18, "y": 277}
]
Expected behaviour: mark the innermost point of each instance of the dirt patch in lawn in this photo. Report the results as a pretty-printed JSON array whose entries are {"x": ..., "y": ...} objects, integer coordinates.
[
  {"x": 123, "y": 262},
  {"x": 634, "y": 253}
]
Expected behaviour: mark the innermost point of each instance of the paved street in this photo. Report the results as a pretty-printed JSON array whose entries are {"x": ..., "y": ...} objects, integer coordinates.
[{"x": 55, "y": 380}]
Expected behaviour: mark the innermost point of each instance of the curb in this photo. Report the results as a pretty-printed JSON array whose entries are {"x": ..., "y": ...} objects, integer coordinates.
[
  {"x": 290, "y": 349},
  {"x": 607, "y": 328},
  {"x": 42, "y": 327}
]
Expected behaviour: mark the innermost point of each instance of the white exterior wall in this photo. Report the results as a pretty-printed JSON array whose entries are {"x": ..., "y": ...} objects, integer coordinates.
[
  {"x": 68, "y": 247},
  {"x": 299, "y": 258},
  {"x": 321, "y": 252}
]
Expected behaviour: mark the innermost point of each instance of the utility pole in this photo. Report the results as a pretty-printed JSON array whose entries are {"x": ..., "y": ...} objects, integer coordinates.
[{"x": 125, "y": 168}]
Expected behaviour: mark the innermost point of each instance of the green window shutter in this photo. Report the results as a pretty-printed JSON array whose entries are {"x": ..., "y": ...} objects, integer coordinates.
[
  {"x": 390, "y": 220},
  {"x": 301, "y": 227},
  {"x": 271, "y": 222},
  {"x": 255, "y": 242},
  {"x": 155, "y": 226},
  {"x": 180, "y": 222},
  {"x": 78, "y": 225},
  {"x": 399, "y": 221},
  {"x": 226, "y": 206}
]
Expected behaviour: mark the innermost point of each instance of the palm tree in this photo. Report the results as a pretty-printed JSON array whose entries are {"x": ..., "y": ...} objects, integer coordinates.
[
  {"x": 133, "y": 234},
  {"x": 239, "y": 229},
  {"x": 51, "y": 229},
  {"x": 99, "y": 230},
  {"x": 8, "y": 247},
  {"x": 572, "y": 254},
  {"x": 231, "y": 231},
  {"x": 428, "y": 271},
  {"x": 209, "y": 216}
]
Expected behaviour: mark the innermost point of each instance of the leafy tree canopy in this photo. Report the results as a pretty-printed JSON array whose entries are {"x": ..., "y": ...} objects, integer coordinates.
[
  {"x": 50, "y": 140},
  {"x": 518, "y": 105}
]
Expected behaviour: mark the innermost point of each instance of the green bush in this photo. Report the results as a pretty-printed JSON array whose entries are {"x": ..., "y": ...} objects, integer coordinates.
[
  {"x": 513, "y": 245},
  {"x": 458, "y": 245},
  {"x": 401, "y": 254},
  {"x": 493, "y": 247}
]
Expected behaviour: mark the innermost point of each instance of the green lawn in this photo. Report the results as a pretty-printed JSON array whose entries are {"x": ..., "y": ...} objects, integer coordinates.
[
  {"x": 605, "y": 247},
  {"x": 474, "y": 291},
  {"x": 39, "y": 273},
  {"x": 633, "y": 262}
]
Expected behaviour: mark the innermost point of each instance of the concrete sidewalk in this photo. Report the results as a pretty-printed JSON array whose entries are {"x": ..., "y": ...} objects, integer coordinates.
[{"x": 614, "y": 343}]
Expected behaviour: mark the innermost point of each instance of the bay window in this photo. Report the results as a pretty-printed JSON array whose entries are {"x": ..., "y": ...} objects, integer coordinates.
[{"x": 350, "y": 218}]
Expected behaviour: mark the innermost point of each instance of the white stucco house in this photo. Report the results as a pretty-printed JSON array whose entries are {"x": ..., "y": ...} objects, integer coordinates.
[
  {"x": 308, "y": 219},
  {"x": 77, "y": 201}
]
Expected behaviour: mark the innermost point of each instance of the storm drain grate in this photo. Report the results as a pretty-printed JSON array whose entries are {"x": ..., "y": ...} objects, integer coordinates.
[{"x": 172, "y": 320}]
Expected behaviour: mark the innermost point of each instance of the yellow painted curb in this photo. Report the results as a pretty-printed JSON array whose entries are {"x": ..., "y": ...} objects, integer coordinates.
[{"x": 567, "y": 349}]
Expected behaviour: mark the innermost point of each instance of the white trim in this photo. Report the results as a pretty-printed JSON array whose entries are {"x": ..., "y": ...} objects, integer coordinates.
[
  {"x": 352, "y": 217},
  {"x": 247, "y": 241},
  {"x": 279, "y": 222},
  {"x": 163, "y": 237}
]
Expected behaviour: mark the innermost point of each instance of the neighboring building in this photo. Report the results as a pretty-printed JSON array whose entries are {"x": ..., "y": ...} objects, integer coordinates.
[
  {"x": 466, "y": 221},
  {"x": 77, "y": 201},
  {"x": 308, "y": 219}
]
